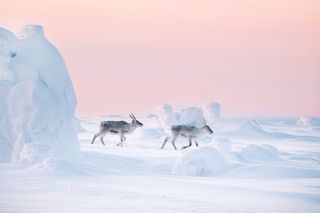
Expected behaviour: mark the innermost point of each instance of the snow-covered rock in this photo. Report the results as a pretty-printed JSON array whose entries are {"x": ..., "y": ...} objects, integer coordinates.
[{"x": 37, "y": 100}]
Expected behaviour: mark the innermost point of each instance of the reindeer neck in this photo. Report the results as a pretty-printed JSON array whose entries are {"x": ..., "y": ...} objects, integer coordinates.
[
  {"x": 133, "y": 125},
  {"x": 203, "y": 129}
]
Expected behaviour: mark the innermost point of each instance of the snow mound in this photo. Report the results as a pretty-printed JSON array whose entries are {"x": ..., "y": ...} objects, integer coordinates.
[
  {"x": 77, "y": 125},
  {"x": 37, "y": 100},
  {"x": 308, "y": 121},
  {"x": 211, "y": 112},
  {"x": 190, "y": 116},
  {"x": 7, "y": 51},
  {"x": 256, "y": 154},
  {"x": 166, "y": 116},
  {"x": 204, "y": 161},
  {"x": 249, "y": 128},
  {"x": 223, "y": 145},
  {"x": 30, "y": 30},
  {"x": 66, "y": 167}
]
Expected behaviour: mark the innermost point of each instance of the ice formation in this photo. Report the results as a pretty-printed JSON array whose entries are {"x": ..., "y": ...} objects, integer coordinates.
[{"x": 37, "y": 99}]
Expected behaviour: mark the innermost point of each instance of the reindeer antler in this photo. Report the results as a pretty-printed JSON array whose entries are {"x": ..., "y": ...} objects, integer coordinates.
[{"x": 132, "y": 116}]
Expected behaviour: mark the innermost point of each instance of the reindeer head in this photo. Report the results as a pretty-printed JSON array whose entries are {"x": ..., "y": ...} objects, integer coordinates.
[
  {"x": 135, "y": 121},
  {"x": 208, "y": 129}
]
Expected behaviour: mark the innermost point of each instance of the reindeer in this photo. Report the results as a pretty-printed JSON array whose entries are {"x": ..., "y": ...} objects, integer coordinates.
[
  {"x": 188, "y": 131},
  {"x": 117, "y": 127}
]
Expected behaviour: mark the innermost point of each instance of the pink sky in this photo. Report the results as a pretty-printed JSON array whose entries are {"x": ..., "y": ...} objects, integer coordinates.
[{"x": 254, "y": 57}]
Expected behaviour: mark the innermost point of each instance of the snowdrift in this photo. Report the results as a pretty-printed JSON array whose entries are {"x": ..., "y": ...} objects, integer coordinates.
[
  {"x": 37, "y": 99},
  {"x": 308, "y": 121},
  {"x": 247, "y": 128},
  {"x": 211, "y": 113},
  {"x": 259, "y": 154},
  {"x": 202, "y": 161},
  {"x": 251, "y": 161}
]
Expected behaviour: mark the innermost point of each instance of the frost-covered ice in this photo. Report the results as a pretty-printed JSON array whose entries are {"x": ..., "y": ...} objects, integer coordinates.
[{"x": 249, "y": 165}]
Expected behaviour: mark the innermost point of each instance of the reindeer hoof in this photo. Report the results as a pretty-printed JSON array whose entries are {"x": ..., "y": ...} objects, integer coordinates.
[{"x": 184, "y": 147}]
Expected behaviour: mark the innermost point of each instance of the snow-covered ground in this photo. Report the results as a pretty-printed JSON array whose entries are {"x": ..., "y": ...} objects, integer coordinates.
[
  {"x": 261, "y": 165},
  {"x": 248, "y": 165}
]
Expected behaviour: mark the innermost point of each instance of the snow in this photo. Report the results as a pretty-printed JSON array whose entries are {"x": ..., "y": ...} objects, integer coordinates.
[
  {"x": 47, "y": 162},
  {"x": 211, "y": 112},
  {"x": 224, "y": 174},
  {"x": 259, "y": 153},
  {"x": 202, "y": 161},
  {"x": 37, "y": 99},
  {"x": 308, "y": 121},
  {"x": 167, "y": 117},
  {"x": 189, "y": 115}
]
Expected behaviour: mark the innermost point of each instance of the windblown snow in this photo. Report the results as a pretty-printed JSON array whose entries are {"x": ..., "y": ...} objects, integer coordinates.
[{"x": 48, "y": 164}]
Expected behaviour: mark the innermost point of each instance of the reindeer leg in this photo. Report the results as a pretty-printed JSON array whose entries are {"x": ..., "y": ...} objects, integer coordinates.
[
  {"x": 165, "y": 141},
  {"x": 121, "y": 140},
  {"x": 101, "y": 139},
  {"x": 190, "y": 143},
  {"x": 195, "y": 140},
  {"x": 95, "y": 136},
  {"x": 173, "y": 141}
]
